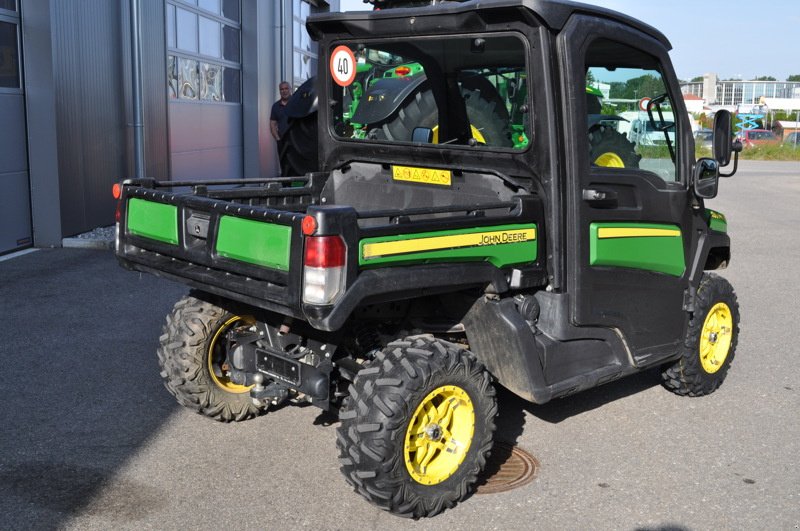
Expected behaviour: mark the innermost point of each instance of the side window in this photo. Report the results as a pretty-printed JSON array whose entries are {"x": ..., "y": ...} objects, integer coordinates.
[{"x": 631, "y": 122}]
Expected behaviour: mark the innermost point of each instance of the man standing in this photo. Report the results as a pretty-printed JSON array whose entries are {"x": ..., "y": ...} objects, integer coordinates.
[{"x": 278, "y": 121}]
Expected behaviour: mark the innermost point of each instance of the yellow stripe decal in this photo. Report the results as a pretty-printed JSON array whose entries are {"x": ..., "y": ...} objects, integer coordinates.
[
  {"x": 625, "y": 232},
  {"x": 372, "y": 250}
]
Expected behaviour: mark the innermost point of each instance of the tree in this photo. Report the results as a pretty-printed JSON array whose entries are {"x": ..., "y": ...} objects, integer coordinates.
[
  {"x": 793, "y": 77},
  {"x": 696, "y": 79},
  {"x": 764, "y": 78}
]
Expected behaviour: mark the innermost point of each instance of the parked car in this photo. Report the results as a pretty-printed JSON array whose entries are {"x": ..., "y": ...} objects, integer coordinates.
[
  {"x": 643, "y": 133},
  {"x": 792, "y": 138},
  {"x": 758, "y": 137},
  {"x": 703, "y": 138}
]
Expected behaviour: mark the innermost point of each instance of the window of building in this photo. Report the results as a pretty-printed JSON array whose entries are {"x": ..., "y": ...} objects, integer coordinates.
[
  {"x": 304, "y": 55},
  {"x": 204, "y": 51},
  {"x": 9, "y": 49},
  {"x": 8, "y": 5}
]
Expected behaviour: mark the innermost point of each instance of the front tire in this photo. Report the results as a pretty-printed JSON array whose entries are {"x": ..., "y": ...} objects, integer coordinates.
[
  {"x": 710, "y": 343},
  {"x": 417, "y": 428},
  {"x": 193, "y": 360}
]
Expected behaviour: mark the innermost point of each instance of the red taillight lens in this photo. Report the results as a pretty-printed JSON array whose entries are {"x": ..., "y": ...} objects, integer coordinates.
[
  {"x": 118, "y": 212},
  {"x": 325, "y": 251},
  {"x": 402, "y": 70},
  {"x": 116, "y": 191}
]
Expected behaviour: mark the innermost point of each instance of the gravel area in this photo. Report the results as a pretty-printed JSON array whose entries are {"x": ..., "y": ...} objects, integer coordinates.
[{"x": 99, "y": 238}]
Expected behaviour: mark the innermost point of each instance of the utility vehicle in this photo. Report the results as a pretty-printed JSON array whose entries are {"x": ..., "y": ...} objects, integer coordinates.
[{"x": 475, "y": 221}]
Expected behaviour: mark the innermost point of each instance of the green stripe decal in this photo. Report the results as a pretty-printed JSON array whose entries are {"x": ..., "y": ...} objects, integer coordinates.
[
  {"x": 716, "y": 220},
  {"x": 157, "y": 221},
  {"x": 648, "y": 246},
  {"x": 254, "y": 242},
  {"x": 500, "y": 245}
]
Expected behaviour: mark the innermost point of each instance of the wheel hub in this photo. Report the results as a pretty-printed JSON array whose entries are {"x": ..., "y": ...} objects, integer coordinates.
[
  {"x": 715, "y": 337},
  {"x": 439, "y": 435},
  {"x": 433, "y": 432}
]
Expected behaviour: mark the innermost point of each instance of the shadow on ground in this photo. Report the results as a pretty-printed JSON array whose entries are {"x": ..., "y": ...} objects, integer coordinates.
[{"x": 79, "y": 393}]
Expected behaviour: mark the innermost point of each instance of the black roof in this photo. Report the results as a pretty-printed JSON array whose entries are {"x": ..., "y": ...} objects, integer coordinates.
[{"x": 554, "y": 14}]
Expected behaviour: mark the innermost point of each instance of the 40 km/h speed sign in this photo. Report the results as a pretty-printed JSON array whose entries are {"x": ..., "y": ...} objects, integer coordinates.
[{"x": 343, "y": 66}]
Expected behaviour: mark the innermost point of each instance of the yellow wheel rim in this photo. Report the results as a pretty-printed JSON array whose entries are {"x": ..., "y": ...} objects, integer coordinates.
[
  {"x": 715, "y": 337},
  {"x": 476, "y": 134},
  {"x": 216, "y": 354},
  {"x": 439, "y": 435},
  {"x": 609, "y": 160}
]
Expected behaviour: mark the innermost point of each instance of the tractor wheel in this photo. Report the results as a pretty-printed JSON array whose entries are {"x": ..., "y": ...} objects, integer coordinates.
[
  {"x": 300, "y": 151},
  {"x": 611, "y": 149},
  {"x": 417, "y": 427},
  {"x": 489, "y": 121},
  {"x": 710, "y": 343},
  {"x": 193, "y": 359}
]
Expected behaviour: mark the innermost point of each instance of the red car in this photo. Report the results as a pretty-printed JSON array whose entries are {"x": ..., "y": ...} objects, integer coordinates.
[{"x": 758, "y": 137}]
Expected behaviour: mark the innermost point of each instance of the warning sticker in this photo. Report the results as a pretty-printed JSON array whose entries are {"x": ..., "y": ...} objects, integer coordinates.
[{"x": 343, "y": 66}]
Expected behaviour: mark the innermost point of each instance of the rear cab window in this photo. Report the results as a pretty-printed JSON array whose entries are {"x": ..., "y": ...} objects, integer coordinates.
[{"x": 468, "y": 91}]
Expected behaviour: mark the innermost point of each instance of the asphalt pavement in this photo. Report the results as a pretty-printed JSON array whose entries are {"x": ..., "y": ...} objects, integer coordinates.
[{"x": 91, "y": 440}]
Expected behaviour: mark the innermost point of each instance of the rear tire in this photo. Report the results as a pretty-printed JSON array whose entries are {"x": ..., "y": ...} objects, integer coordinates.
[
  {"x": 417, "y": 427},
  {"x": 485, "y": 115},
  {"x": 610, "y": 148},
  {"x": 300, "y": 153},
  {"x": 192, "y": 360},
  {"x": 710, "y": 343}
]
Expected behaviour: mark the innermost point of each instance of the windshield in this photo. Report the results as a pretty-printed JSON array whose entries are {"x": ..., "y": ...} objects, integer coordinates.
[{"x": 459, "y": 91}]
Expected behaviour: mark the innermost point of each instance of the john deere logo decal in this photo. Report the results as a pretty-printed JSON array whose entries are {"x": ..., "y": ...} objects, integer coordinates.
[{"x": 453, "y": 241}]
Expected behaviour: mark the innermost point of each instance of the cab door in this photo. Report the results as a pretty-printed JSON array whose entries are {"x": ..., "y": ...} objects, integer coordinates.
[{"x": 628, "y": 207}]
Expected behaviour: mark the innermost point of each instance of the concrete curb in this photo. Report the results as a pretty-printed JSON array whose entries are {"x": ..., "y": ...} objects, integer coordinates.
[{"x": 86, "y": 243}]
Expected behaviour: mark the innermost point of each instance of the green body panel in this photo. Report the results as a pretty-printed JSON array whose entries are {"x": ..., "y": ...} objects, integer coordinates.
[
  {"x": 254, "y": 242},
  {"x": 663, "y": 254},
  {"x": 156, "y": 221},
  {"x": 498, "y": 254},
  {"x": 716, "y": 220}
]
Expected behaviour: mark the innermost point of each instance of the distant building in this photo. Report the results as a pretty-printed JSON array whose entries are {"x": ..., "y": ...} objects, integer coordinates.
[
  {"x": 210, "y": 73},
  {"x": 736, "y": 92}
]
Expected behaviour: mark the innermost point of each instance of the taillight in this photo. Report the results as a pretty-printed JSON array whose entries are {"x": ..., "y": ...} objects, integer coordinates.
[
  {"x": 116, "y": 192},
  {"x": 323, "y": 269}
]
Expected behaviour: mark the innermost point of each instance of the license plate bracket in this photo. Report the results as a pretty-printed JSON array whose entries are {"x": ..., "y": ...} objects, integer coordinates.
[{"x": 278, "y": 367}]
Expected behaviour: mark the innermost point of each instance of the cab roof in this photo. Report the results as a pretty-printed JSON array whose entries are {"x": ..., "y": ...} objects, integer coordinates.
[{"x": 553, "y": 13}]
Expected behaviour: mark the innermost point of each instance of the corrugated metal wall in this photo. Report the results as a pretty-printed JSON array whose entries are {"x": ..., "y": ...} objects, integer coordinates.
[
  {"x": 89, "y": 119},
  {"x": 91, "y": 68}
]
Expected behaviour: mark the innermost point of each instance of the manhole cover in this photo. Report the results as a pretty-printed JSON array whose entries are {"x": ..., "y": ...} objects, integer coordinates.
[{"x": 507, "y": 468}]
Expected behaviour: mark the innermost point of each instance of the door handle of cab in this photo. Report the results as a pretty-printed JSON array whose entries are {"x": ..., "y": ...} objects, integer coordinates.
[{"x": 600, "y": 198}]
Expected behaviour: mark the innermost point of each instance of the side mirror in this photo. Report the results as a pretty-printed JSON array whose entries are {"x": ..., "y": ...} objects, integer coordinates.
[
  {"x": 423, "y": 135},
  {"x": 706, "y": 178},
  {"x": 723, "y": 137}
]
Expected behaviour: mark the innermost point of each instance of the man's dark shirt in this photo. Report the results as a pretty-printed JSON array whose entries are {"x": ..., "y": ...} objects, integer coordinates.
[{"x": 278, "y": 114}]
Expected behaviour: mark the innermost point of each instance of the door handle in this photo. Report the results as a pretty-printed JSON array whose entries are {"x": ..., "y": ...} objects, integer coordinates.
[{"x": 600, "y": 198}]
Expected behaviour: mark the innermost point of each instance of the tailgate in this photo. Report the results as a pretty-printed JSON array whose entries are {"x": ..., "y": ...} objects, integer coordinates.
[{"x": 248, "y": 253}]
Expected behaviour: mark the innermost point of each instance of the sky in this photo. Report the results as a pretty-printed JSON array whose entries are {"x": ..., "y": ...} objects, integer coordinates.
[{"x": 732, "y": 38}]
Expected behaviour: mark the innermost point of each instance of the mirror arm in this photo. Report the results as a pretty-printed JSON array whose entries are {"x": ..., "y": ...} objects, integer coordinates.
[{"x": 737, "y": 147}]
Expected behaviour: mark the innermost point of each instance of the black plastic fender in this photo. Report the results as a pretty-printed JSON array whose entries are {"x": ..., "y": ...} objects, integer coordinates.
[
  {"x": 504, "y": 342},
  {"x": 384, "y": 98}
]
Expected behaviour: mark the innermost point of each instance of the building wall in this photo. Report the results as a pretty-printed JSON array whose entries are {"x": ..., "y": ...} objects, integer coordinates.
[
  {"x": 78, "y": 104},
  {"x": 735, "y": 92},
  {"x": 90, "y": 117},
  {"x": 15, "y": 213}
]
